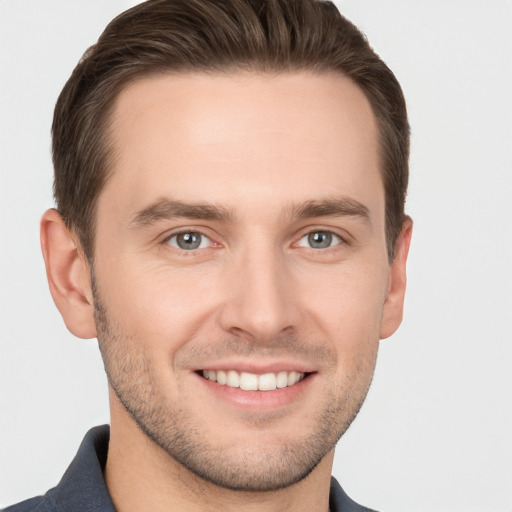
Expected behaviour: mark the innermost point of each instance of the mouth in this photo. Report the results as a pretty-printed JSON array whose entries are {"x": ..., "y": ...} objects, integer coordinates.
[{"x": 252, "y": 381}]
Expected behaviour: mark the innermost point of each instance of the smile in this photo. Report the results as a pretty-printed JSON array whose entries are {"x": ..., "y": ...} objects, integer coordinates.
[{"x": 252, "y": 381}]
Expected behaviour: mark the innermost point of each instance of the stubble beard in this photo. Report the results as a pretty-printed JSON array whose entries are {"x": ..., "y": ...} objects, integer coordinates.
[{"x": 248, "y": 468}]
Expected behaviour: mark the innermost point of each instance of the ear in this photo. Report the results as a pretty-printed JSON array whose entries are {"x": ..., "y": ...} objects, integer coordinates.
[
  {"x": 394, "y": 303},
  {"x": 68, "y": 274}
]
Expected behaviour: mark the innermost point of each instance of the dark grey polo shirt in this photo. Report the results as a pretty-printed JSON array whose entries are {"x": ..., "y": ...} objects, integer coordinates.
[{"x": 83, "y": 489}]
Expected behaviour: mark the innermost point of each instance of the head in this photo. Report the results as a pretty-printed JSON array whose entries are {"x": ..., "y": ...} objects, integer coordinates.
[
  {"x": 230, "y": 180},
  {"x": 161, "y": 37}
]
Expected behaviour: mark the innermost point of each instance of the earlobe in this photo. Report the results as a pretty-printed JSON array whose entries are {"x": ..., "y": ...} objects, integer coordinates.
[
  {"x": 68, "y": 275},
  {"x": 394, "y": 303}
]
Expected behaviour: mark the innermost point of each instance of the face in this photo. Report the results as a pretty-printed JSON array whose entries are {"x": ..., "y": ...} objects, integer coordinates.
[{"x": 240, "y": 269}]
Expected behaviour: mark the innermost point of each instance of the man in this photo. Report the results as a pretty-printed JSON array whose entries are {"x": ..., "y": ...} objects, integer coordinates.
[{"x": 230, "y": 180}]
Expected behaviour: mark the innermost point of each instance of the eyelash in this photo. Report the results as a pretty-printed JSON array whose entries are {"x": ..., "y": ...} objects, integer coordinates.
[
  {"x": 194, "y": 231},
  {"x": 337, "y": 238},
  {"x": 332, "y": 235}
]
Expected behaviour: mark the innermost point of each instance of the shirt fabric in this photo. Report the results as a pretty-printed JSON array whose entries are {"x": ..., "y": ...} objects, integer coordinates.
[{"x": 83, "y": 488}]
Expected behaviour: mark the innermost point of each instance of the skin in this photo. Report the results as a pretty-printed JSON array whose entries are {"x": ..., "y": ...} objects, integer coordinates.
[{"x": 258, "y": 151}]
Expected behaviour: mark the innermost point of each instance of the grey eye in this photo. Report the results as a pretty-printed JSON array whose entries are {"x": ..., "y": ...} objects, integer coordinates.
[
  {"x": 189, "y": 241},
  {"x": 319, "y": 240}
]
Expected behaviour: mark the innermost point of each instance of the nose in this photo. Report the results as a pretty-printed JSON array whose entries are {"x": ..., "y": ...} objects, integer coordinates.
[{"x": 260, "y": 301}]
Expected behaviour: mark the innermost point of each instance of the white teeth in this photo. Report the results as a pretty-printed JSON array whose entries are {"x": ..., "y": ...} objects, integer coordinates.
[
  {"x": 282, "y": 380},
  {"x": 293, "y": 378},
  {"x": 253, "y": 382},
  {"x": 267, "y": 382},
  {"x": 248, "y": 381},
  {"x": 233, "y": 379},
  {"x": 222, "y": 378}
]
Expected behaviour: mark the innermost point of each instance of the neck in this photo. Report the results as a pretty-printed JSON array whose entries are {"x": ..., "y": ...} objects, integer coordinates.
[{"x": 141, "y": 476}]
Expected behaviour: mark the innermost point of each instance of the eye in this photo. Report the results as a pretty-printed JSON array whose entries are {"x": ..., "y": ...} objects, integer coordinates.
[
  {"x": 189, "y": 241},
  {"x": 319, "y": 240}
]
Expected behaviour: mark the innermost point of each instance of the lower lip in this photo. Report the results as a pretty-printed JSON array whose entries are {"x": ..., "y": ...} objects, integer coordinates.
[{"x": 264, "y": 400}]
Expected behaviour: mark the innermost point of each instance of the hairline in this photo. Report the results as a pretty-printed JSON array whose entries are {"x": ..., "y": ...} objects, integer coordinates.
[{"x": 111, "y": 150}]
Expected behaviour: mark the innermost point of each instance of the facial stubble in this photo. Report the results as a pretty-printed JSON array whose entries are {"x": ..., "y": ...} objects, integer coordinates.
[{"x": 248, "y": 466}]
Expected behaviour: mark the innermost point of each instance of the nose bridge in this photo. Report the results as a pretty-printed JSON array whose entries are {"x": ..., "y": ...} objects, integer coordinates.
[{"x": 260, "y": 303}]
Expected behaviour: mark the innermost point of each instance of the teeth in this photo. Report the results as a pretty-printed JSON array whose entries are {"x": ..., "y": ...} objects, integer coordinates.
[
  {"x": 222, "y": 378},
  {"x": 267, "y": 382},
  {"x": 233, "y": 380},
  {"x": 293, "y": 378},
  {"x": 282, "y": 379},
  {"x": 253, "y": 382},
  {"x": 248, "y": 381}
]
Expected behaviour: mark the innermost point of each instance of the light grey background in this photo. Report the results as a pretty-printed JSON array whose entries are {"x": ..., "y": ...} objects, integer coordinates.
[{"x": 436, "y": 431}]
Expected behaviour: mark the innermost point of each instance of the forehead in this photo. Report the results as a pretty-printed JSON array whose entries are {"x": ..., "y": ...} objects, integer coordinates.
[{"x": 245, "y": 136}]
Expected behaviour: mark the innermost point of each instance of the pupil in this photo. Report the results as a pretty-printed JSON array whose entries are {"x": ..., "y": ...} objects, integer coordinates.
[
  {"x": 320, "y": 239},
  {"x": 189, "y": 241}
]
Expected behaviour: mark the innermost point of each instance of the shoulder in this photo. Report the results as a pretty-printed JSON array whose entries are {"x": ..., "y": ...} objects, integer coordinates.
[
  {"x": 82, "y": 488},
  {"x": 39, "y": 504}
]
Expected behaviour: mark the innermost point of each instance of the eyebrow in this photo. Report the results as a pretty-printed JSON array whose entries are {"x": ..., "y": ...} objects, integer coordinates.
[
  {"x": 166, "y": 209},
  {"x": 337, "y": 207}
]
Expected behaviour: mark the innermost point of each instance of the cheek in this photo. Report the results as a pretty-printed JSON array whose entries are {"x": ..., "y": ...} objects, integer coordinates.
[
  {"x": 164, "y": 307},
  {"x": 346, "y": 306},
  {"x": 156, "y": 305}
]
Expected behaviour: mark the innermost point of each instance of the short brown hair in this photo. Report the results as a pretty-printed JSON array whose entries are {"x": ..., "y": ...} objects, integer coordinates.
[{"x": 160, "y": 36}]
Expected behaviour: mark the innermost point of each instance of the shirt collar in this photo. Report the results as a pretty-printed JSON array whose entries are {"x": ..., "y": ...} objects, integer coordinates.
[{"x": 83, "y": 488}]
